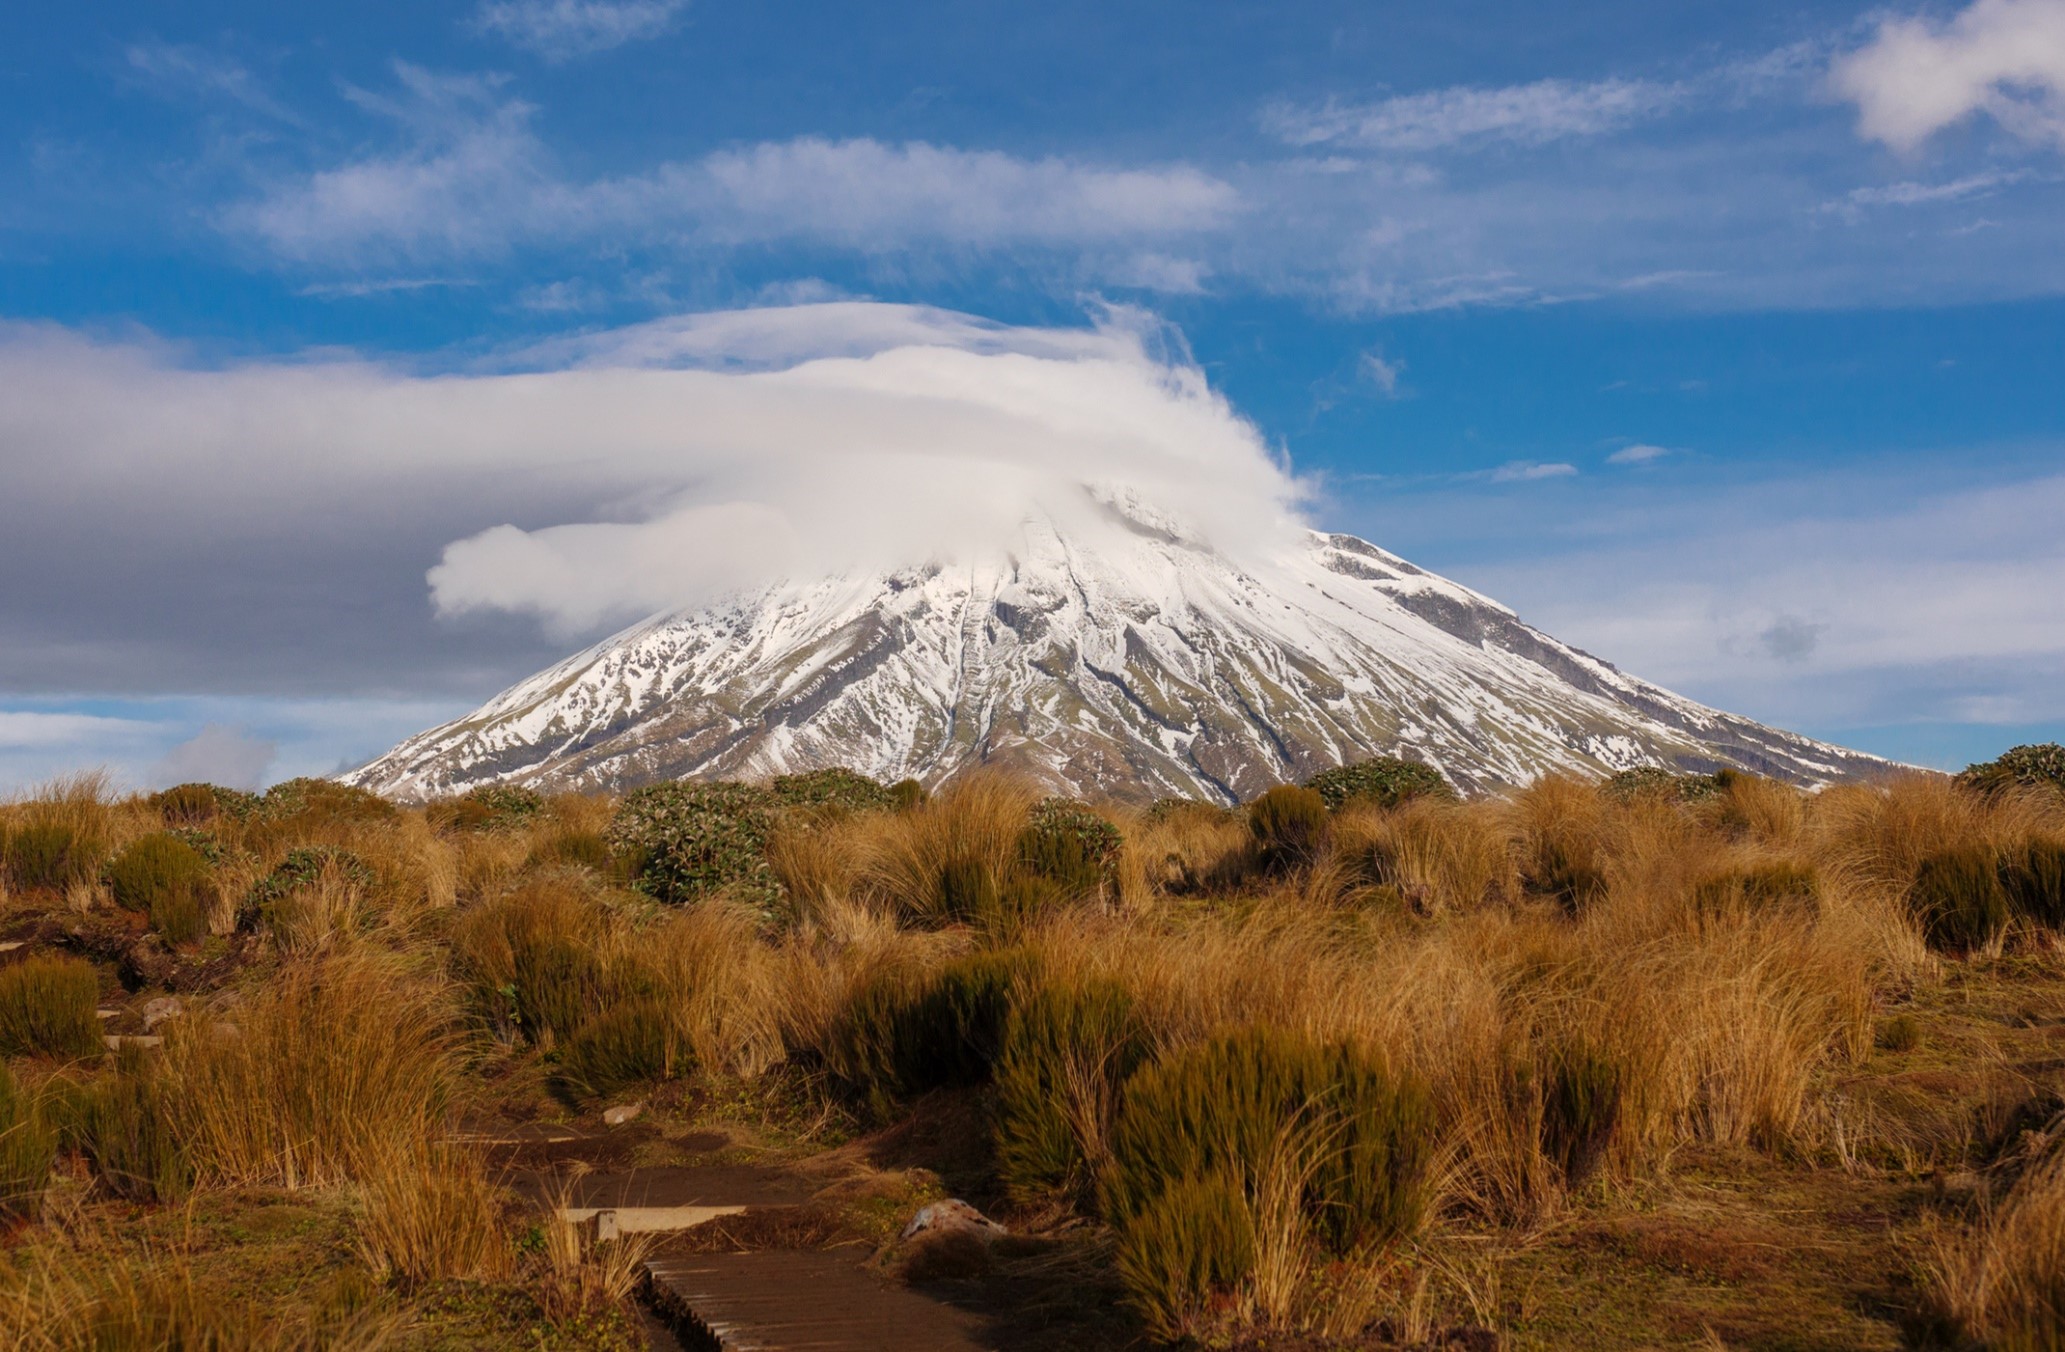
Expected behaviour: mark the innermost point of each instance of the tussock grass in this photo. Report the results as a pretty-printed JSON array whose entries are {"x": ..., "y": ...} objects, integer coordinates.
[
  {"x": 432, "y": 1215},
  {"x": 329, "y": 1070},
  {"x": 46, "y": 1009}
]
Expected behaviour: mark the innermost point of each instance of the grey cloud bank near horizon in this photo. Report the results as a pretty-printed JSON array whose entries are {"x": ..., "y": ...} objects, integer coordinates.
[{"x": 597, "y": 480}]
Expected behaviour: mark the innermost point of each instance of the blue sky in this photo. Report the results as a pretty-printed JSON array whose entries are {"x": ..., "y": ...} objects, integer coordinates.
[{"x": 1722, "y": 340}]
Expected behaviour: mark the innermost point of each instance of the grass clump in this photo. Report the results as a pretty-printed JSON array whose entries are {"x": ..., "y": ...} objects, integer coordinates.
[
  {"x": 1958, "y": 898},
  {"x": 48, "y": 855},
  {"x": 1385, "y": 781},
  {"x": 123, "y": 1124},
  {"x": 46, "y": 1009},
  {"x": 167, "y": 879},
  {"x": 329, "y": 1068},
  {"x": 1288, "y": 825},
  {"x": 1191, "y": 1243},
  {"x": 688, "y": 841},
  {"x": 1065, "y": 1052},
  {"x": 433, "y": 1216},
  {"x": 2033, "y": 876},
  {"x": 1581, "y": 1109},
  {"x": 626, "y": 1044},
  {"x": 1069, "y": 845},
  {"x": 28, "y": 1147},
  {"x": 901, "y": 1036},
  {"x": 530, "y": 960}
]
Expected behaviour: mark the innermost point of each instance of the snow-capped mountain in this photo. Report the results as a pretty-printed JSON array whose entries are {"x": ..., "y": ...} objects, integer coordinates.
[{"x": 1134, "y": 664}]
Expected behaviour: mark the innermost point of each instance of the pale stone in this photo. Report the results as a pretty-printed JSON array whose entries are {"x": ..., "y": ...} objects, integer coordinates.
[{"x": 622, "y": 1113}]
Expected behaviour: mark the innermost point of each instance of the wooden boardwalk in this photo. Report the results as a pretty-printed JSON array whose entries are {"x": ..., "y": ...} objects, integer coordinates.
[{"x": 819, "y": 1300}]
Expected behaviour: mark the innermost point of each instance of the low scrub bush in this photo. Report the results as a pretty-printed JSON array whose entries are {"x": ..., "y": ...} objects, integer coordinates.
[
  {"x": 2040, "y": 766},
  {"x": 1191, "y": 1243},
  {"x": 1651, "y": 782},
  {"x": 192, "y": 805},
  {"x": 835, "y": 789},
  {"x": 1368, "y": 1135},
  {"x": 28, "y": 1147},
  {"x": 900, "y": 1037},
  {"x": 323, "y": 801},
  {"x": 302, "y": 868},
  {"x": 2034, "y": 877},
  {"x": 1065, "y": 1052},
  {"x": 1289, "y": 826},
  {"x": 1385, "y": 781},
  {"x": 626, "y": 1044},
  {"x": 167, "y": 879},
  {"x": 1958, "y": 898},
  {"x": 491, "y": 807},
  {"x": 123, "y": 1124},
  {"x": 688, "y": 841},
  {"x": 1069, "y": 845},
  {"x": 46, "y": 1009}
]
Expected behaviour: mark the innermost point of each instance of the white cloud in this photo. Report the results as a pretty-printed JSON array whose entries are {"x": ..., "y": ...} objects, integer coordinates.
[
  {"x": 1528, "y": 471},
  {"x": 1529, "y": 114},
  {"x": 472, "y": 179},
  {"x": 1638, "y": 455},
  {"x": 1911, "y": 194},
  {"x": 2004, "y": 58},
  {"x": 1374, "y": 369},
  {"x": 652, "y": 467},
  {"x": 558, "y": 30},
  {"x": 182, "y": 68},
  {"x": 217, "y": 754}
]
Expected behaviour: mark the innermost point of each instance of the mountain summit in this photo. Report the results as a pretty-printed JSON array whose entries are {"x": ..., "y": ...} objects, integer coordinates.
[{"x": 1133, "y": 662}]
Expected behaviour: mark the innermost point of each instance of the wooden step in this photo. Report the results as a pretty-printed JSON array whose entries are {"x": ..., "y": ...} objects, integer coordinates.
[{"x": 801, "y": 1301}]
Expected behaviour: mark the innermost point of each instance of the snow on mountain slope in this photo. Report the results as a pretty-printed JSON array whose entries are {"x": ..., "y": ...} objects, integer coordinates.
[{"x": 1132, "y": 663}]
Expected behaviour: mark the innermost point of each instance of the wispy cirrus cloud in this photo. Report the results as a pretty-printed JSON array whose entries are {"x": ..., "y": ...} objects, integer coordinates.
[
  {"x": 471, "y": 177},
  {"x": 559, "y": 30},
  {"x": 187, "y": 69},
  {"x": 1917, "y": 76},
  {"x": 1525, "y": 114}
]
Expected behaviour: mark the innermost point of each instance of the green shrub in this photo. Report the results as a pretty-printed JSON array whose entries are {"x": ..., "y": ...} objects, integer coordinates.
[
  {"x": 28, "y": 1148},
  {"x": 1288, "y": 823},
  {"x": 1644, "y": 781},
  {"x": 124, "y": 1127},
  {"x": 1164, "y": 809},
  {"x": 629, "y": 1043},
  {"x": 2034, "y": 877},
  {"x": 1065, "y": 1052},
  {"x": 189, "y": 805},
  {"x": 1581, "y": 1107},
  {"x": 300, "y": 869},
  {"x": 162, "y": 875},
  {"x": 1958, "y": 897},
  {"x": 906, "y": 794},
  {"x": 491, "y": 807},
  {"x": 1363, "y": 1139},
  {"x": 1194, "y": 1240},
  {"x": 694, "y": 839},
  {"x": 1069, "y": 845},
  {"x": 1386, "y": 781},
  {"x": 324, "y": 800},
  {"x": 836, "y": 788},
  {"x": 2038, "y": 766},
  {"x": 896, "y": 1039},
  {"x": 48, "y": 855},
  {"x": 46, "y": 1009}
]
